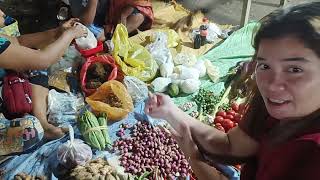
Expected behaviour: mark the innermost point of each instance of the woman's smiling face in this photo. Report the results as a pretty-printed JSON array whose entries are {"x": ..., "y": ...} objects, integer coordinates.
[{"x": 288, "y": 77}]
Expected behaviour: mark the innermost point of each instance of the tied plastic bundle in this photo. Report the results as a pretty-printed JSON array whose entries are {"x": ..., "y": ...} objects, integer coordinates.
[
  {"x": 137, "y": 89},
  {"x": 94, "y": 130},
  {"x": 88, "y": 42},
  {"x": 74, "y": 152}
]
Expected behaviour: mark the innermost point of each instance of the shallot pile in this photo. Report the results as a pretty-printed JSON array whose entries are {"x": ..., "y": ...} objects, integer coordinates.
[{"x": 149, "y": 149}]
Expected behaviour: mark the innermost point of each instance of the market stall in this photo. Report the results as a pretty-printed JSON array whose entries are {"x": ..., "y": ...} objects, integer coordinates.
[{"x": 100, "y": 96}]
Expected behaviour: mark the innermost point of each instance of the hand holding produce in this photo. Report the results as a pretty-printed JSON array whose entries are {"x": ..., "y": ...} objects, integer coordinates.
[{"x": 94, "y": 130}]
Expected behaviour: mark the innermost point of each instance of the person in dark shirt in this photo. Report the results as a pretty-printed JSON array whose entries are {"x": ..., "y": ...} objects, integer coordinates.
[{"x": 279, "y": 137}]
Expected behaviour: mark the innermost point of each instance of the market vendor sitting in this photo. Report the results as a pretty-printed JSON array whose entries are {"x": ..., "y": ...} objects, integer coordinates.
[
  {"x": 101, "y": 16},
  {"x": 278, "y": 138},
  {"x": 17, "y": 53}
]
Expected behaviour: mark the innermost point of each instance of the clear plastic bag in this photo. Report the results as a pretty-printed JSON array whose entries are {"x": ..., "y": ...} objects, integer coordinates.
[
  {"x": 74, "y": 152},
  {"x": 159, "y": 49},
  {"x": 137, "y": 89},
  {"x": 63, "y": 107},
  {"x": 69, "y": 62}
]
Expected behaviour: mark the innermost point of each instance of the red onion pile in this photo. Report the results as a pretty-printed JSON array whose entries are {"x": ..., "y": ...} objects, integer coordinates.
[{"x": 150, "y": 148}]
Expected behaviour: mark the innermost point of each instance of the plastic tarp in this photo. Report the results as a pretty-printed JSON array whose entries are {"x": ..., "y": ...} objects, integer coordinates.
[{"x": 233, "y": 50}]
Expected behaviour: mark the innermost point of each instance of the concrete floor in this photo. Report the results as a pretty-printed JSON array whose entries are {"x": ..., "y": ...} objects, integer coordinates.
[{"x": 229, "y": 11}]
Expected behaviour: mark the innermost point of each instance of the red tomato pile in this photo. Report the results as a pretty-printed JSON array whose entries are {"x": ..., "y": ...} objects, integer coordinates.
[{"x": 226, "y": 120}]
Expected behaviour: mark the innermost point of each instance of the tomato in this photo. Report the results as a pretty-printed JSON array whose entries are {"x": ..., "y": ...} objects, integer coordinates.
[
  {"x": 218, "y": 119},
  {"x": 229, "y": 116},
  {"x": 221, "y": 113},
  {"x": 235, "y": 107},
  {"x": 217, "y": 124},
  {"x": 227, "y": 124},
  {"x": 231, "y": 112}
]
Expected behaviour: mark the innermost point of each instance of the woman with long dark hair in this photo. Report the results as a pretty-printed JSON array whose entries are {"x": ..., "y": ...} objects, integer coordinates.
[{"x": 280, "y": 134}]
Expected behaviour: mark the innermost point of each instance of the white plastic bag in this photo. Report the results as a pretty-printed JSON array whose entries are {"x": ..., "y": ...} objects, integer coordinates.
[
  {"x": 74, "y": 152},
  {"x": 212, "y": 71},
  {"x": 166, "y": 69},
  {"x": 200, "y": 66},
  {"x": 186, "y": 72},
  {"x": 137, "y": 89},
  {"x": 214, "y": 32},
  {"x": 185, "y": 59},
  {"x": 159, "y": 49},
  {"x": 87, "y": 42},
  {"x": 190, "y": 86},
  {"x": 160, "y": 84}
]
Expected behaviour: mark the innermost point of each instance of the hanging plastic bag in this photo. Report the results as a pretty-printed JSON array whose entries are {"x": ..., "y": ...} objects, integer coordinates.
[
  {"x": 74, "y": 152},
  {"x": 103, "y": 59},
  {"x": 133, "y": 59},
  {"x": 137, "y": 89},
  {"x": 113, "y": 99}
]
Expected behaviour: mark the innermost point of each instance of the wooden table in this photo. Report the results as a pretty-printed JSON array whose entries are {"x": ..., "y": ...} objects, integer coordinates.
[{"x": 246, "y": 10}]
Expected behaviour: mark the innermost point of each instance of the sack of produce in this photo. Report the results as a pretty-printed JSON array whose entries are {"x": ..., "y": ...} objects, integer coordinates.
[
  {"x": 74, "y": 152},
  {"x": 95, "y": 71},
  {"x": 94, "y": 130},
  {"x": 113, "y": 99}
]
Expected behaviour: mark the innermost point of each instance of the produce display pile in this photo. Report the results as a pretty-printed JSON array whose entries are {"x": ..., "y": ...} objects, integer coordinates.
[
  {"x": 150, "y": 149},
  {"x": 226, "y": 120},
  {"x": 95, "y": 169},
  {"x": 24, "y": 176}
]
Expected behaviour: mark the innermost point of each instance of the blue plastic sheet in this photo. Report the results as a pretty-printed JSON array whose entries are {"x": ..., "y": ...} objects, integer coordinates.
[{"x": 43, "y": 161}]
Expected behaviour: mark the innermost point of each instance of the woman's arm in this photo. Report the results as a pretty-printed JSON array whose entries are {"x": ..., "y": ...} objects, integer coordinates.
[
  {"x": 89, "y": 12},
  {"x": 203, "y": 171},
  {"x": 21, "y": 58},
  {"x": 40, "y": 40},
  {"x": 234, "y": 143}
]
